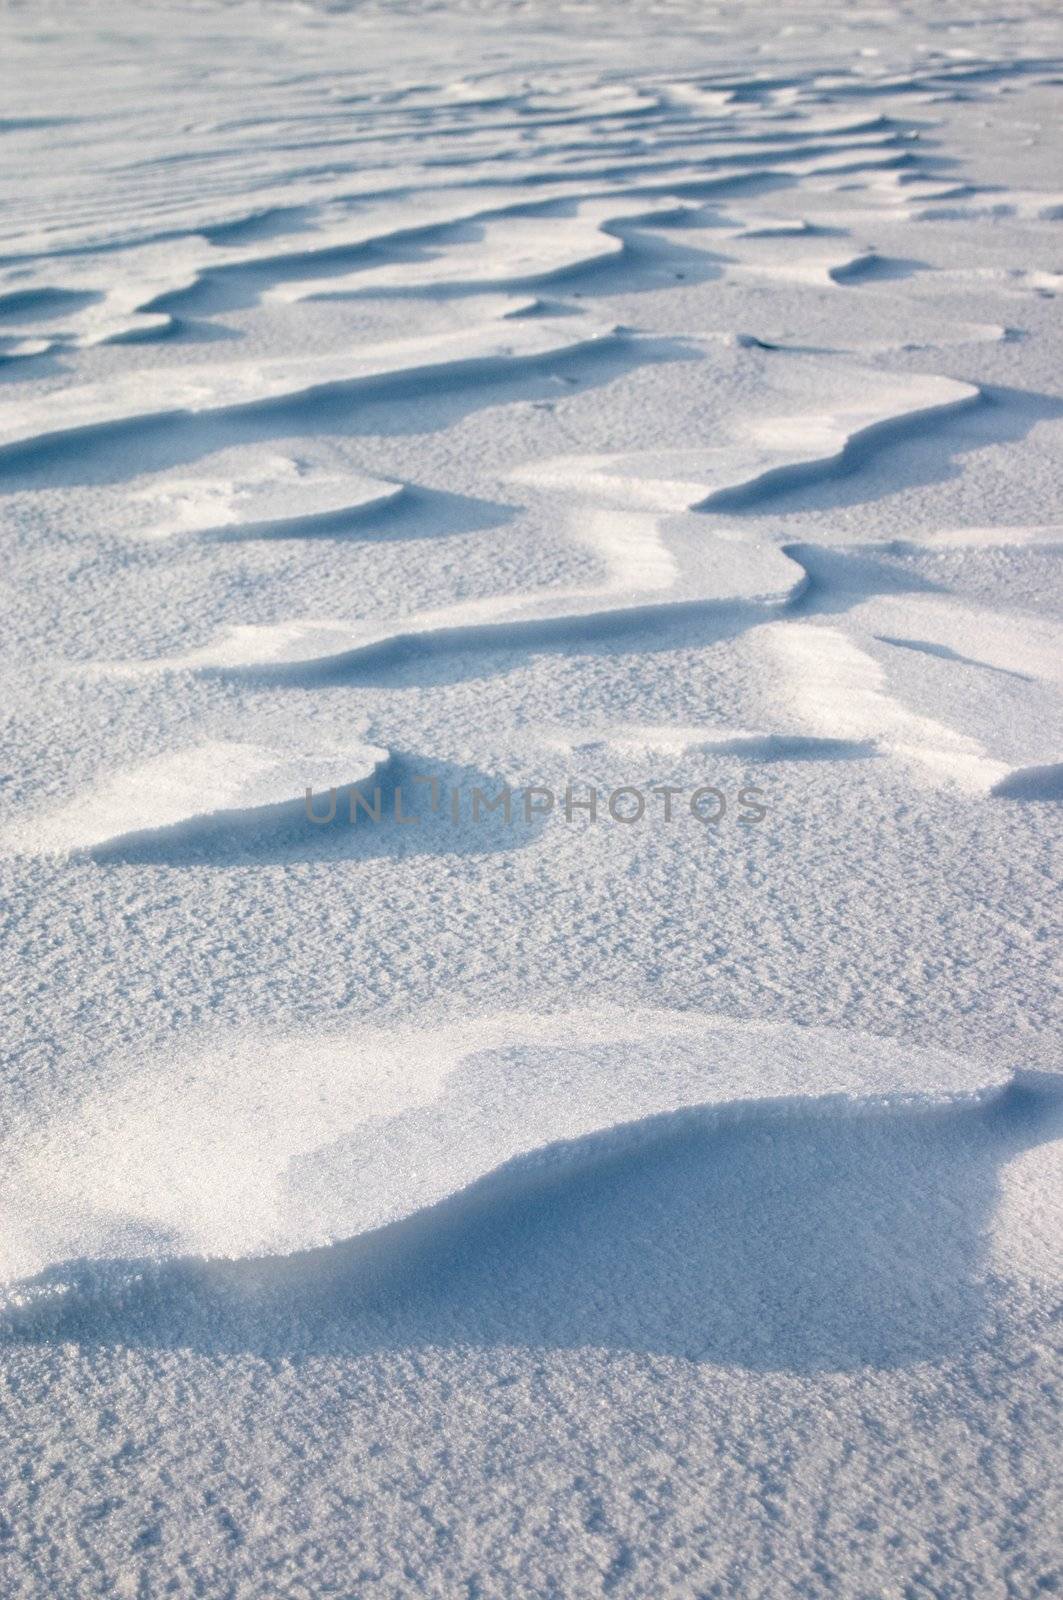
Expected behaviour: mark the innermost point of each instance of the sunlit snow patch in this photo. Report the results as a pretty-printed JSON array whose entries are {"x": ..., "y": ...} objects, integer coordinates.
[
  {"x": 258, "y": 1143},
  {"x": 253, "y": 487},
  {"x": 229, "y": 783}
]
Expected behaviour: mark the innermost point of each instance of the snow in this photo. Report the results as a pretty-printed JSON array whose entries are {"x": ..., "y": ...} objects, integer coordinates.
[
  {"x": 231, "y": 784},
  {"x": 438, "y": 400},
  {"x": 263, "y": 1145}
]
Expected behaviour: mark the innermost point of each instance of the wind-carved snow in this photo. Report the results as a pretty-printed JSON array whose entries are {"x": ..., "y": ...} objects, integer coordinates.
[
  {"x": 662, "y": 553},
  {"x": 600, "y": 396},
  {"x": 255, "y": 487},
  {"x": 837, "y": 690},
  {"x": 235, "y": 785},
  {"x": 232, "y": 385},
  {"x": 498, "y": 252},
  {"x": 266, "y": 1145}
]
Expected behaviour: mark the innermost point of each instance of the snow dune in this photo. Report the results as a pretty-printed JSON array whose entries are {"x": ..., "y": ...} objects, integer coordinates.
[
  {"x": 651, "y": 556},
  {"x": 437, "y": 398},
  {"x": 243, "y": 494},
  {"x": 281, "y": 1144},
  {"x": 229, "y": 386},
  {"x": 503, "y": 1183},
  {"x": 234, "y": 786}
]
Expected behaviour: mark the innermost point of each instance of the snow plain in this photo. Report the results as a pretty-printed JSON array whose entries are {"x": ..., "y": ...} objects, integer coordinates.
[{"x": 428, "y": 399}]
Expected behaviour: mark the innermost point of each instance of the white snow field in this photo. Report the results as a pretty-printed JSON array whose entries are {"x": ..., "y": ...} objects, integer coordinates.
[{"x": 415, "y": 415}]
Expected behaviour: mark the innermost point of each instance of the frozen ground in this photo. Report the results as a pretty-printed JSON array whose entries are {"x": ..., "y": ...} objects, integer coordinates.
[{"x": 431, "y": 398}]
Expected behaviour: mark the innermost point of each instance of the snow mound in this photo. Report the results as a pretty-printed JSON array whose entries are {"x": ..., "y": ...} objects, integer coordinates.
[
  {"x": 262, "y": 1144},
  {"x": 232, "y": 785}
]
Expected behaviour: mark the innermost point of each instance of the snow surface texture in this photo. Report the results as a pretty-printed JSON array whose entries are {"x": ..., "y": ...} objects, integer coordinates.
[{"x": 424, "y": 399}]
